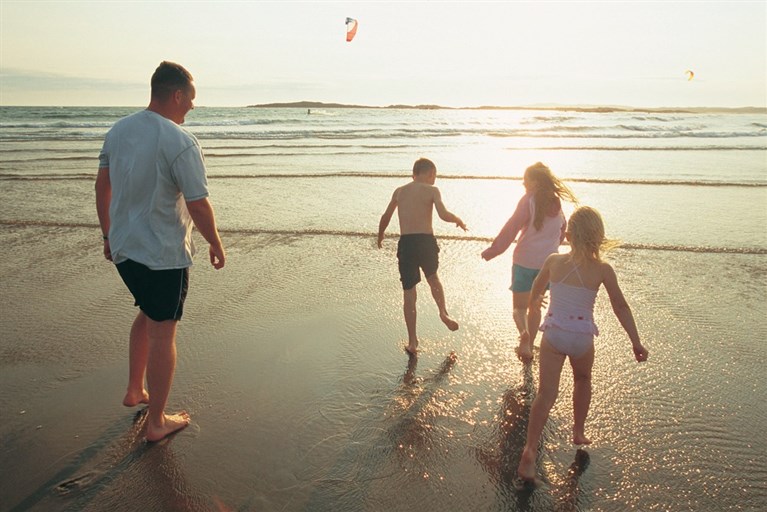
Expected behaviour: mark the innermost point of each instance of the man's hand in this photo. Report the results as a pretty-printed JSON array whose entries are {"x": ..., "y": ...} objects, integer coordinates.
[
  {"x": 107, "y": 250},
  {"x": 217, "y": 256}
]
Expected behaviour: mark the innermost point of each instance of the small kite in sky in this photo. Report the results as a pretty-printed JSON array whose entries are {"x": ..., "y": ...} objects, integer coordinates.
[
  {"x": 351, "y": 29},
  {"x": 689, "y": 74}
]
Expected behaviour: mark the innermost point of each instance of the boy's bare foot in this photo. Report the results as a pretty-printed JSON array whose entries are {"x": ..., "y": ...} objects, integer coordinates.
[
  {"x": 133, "y": 398},
  {"x": 526, "y": 469},
  {"x": 580, "y": 438},
  {"x": 412, "y": 349},
  {"x": 172, "y": 423},
  {"x": 449, "y": 322}
]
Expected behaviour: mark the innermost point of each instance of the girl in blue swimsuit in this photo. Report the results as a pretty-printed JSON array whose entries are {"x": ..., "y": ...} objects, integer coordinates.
[{"x": 568, "y": 327}]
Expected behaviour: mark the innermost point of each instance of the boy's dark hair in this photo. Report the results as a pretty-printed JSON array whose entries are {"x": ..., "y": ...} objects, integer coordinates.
[
  {"x": 168, "y": 78},
  {"x": 423, "y": 165}
]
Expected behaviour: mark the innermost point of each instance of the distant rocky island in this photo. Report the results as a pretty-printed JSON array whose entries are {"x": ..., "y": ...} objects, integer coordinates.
[{"x": 560, "y": 108}]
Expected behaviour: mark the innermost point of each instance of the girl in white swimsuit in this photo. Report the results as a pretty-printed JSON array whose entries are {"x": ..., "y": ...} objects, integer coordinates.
[
  {"x": 569, "y": 325},
  {"x": 569, "y": 329}
]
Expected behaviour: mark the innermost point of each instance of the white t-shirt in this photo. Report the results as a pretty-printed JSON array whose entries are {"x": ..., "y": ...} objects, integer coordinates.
[{"x": 155, "y": 166}]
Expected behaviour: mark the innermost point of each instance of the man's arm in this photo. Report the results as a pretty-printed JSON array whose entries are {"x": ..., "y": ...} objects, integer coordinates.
[
  {"x": 103, "y": 199},
  {"x": 443, "y": 212},
  {"x": 386, "y": 218},
  {"x": 205, "y": 220}
]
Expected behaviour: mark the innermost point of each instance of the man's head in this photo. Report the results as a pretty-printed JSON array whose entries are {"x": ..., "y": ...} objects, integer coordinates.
[
  {"x": 173, "y": 91},
  {"x": 424, "y": 170}
]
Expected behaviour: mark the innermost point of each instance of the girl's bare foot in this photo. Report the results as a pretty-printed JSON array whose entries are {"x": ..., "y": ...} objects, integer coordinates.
[
  {"x": 171, "y": 423},
  {"x": 449, "y": 322},
  {"x": 524, "y": 352},
  {"x": 412, "y": 348},
  {"x": 580, "y": 438},
  {"x": 133, "y": 398},
  {"x": 526, "y": 469}
]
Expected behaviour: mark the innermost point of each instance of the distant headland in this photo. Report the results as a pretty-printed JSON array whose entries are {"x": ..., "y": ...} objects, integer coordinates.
[{"x": 560, "y": 108}]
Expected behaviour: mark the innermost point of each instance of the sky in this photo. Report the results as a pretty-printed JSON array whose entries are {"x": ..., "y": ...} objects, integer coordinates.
[{"x": 513, "y": 53}]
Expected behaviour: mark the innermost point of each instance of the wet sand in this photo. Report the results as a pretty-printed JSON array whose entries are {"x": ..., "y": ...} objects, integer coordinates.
[{"x": 291, "y": 364}]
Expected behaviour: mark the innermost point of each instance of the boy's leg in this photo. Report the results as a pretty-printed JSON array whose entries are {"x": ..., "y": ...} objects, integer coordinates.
[
  {"x": 137, "y": 357},
  {"x": 581, "y": 394},
  {"x": 408, "y": 308},
  {"x": 548, "y": 388},
  {"x": 439, "y": 298},
  {"x": 160, "y": 369}
]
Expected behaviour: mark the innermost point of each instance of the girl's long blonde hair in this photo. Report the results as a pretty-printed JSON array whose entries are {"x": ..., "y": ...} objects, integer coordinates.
[
  {"x": 587, "y": 235},
  {"x": 548, "y": 188}
]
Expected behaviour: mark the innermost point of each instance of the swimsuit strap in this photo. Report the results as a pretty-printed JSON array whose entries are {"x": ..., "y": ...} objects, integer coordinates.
[{"x": 575, "y": 268}]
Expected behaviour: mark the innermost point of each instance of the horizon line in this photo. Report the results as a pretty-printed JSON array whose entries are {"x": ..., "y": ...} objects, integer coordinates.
[{"x": 587, "y": 108}]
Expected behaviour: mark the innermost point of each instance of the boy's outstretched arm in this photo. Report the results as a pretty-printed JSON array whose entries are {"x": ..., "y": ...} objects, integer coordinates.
[
  {"x": 443, "y": 212},
  {"x": 386, "y": 218}
]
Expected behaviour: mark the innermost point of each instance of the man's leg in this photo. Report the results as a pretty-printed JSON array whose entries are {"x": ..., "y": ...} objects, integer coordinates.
[
  {"x": 439, "y": 298},
  {"x": 160, "y": 369},
  {"x": 137, "y": 356},
  {"x": 408, "y": 308}
]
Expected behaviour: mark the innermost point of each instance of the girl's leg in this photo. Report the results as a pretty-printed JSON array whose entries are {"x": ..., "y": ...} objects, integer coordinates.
[
  {"x": 519, "y": 313},
  {"x": 581, "y": 394},
  {"x": 548, "y": 388}
]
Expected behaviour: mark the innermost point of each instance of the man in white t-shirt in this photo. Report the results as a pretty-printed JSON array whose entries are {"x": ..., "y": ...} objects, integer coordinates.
[{"x": 150, "y": 189}]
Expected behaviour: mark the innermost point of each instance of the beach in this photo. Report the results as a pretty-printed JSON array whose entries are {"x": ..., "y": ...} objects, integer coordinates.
[{"x": 291, "y": 359}]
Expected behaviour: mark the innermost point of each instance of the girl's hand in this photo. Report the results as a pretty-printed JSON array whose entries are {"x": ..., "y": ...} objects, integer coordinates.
[{"x": 640, "y": 353}]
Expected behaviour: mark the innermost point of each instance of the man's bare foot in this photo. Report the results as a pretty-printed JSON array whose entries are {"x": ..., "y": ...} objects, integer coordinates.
[
  {"x": 171, "y": 423},
  {"x": 526, "y": 469},
  {"x": 133, "y": 398},
  {"x": 580, "y": 438},
  {"x": 449, "y": 322}
]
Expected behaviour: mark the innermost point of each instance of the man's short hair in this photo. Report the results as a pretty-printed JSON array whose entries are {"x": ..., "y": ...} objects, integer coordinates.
[
  {"x": 168, "y": 78},
  {"x": 423, "y": 166}
]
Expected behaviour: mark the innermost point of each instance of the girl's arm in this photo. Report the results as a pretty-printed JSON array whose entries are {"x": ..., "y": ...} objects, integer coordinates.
[
  {"x": 623, "y": 311},
  {"x": 518, "y": 220}
]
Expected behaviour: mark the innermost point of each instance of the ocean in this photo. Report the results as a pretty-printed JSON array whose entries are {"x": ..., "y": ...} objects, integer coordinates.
[{"x": 290, "y": 358}]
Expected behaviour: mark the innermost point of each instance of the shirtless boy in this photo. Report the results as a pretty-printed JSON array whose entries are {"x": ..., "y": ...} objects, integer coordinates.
[{"x": 417, "y": 248}]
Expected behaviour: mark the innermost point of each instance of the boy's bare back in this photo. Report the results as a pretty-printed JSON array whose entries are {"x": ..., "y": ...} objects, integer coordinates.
[{"x": 415, "y": 204}]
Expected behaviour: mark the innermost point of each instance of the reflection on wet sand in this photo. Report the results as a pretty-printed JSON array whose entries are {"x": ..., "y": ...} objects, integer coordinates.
[
  {"x": 569, "y": 496},
  {"x": 111, "y": 470},
  {"x": 88, "y": 472},
  {"x": 501, "y": 458},
  {"x": 410, "y": 408},
  {"x": 411, "y": 413}
]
